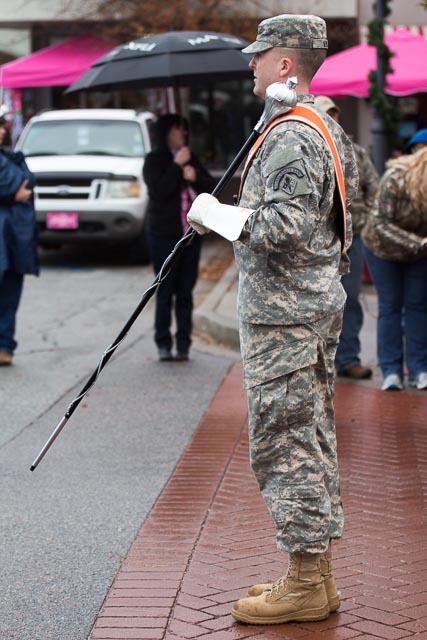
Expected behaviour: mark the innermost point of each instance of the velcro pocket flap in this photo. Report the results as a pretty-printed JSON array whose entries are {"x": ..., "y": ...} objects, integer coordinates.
[
  {"x": 282, "y": 158},
  {"x": 280, "y": 361}
]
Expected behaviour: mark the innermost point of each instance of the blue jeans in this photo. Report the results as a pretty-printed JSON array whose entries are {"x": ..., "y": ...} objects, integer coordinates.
[
  {"x": 10, "y": 294},
  {"x": 402, "y": 314},
  {"x": 348, "y": 352}
]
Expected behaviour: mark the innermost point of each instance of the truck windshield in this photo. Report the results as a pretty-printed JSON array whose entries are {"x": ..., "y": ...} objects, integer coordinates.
[{"x": 84, "y": 137}]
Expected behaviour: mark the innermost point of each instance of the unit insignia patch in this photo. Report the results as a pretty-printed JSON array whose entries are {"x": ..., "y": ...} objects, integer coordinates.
[{"x": 287, "y": 180}]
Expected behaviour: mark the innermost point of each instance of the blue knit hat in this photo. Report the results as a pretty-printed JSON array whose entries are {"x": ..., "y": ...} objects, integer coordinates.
[{"x": 419, "y": 136}]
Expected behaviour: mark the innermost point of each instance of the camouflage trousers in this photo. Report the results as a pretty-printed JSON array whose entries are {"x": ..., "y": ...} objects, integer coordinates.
[{"x": 289, "y": 378}]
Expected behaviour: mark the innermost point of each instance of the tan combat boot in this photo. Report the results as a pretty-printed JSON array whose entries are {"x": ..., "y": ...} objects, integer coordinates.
[
  {"x": 327, "y": 572},
  {"x": 328, "y": 577},
  {"x": 300, "y": 596}
]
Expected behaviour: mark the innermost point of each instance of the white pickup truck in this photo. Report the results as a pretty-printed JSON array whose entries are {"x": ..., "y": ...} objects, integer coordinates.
[{"x": 88, "y": 166}]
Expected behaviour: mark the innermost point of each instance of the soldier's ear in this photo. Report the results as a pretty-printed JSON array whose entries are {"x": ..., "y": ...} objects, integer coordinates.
[{"x": 286, "y": 66}]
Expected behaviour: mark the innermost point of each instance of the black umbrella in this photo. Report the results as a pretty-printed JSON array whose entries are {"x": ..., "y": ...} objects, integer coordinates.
[{"x": 175, "y": 58}]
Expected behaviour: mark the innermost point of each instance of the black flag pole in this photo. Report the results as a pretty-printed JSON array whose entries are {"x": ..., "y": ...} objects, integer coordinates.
[{"x": 280, "y": 97}]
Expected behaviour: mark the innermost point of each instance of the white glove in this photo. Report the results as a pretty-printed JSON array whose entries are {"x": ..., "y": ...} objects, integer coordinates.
[
  {"x": 207, "y": 214},
  {"x": 198, "y": 208}
]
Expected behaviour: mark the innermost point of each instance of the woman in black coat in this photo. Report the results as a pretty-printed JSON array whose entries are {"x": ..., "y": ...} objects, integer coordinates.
[{"x": 174, "y": 176}]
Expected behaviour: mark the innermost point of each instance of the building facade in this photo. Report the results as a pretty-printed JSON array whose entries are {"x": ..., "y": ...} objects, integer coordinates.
[{"x": 29, "y": 26}]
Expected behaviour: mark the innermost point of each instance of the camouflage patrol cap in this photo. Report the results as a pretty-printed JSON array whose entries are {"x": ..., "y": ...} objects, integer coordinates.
[{"x": 290, "y": 30}]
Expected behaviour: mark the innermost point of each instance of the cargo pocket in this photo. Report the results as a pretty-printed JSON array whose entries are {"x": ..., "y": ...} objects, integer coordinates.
[
  {"x": 280, "y": 383},
  {"x": 279, "y": 360}
]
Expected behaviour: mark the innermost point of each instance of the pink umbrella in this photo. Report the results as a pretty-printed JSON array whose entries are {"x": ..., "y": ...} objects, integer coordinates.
[
  {"x": 59, "y": 64},
  {"x": 346, "y": 73}
]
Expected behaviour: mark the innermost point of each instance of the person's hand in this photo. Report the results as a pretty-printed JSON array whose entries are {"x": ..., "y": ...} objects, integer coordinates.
[
  {"x": 182, "y": 156},
  {"x": 189, "y": 173},
  {"x": 208, "y": 214},
  {"x": 197, "y": 214},
  {"x": 23, "y": 194}
]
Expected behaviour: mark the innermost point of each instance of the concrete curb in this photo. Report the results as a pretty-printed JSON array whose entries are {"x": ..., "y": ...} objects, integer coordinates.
[
  {"x": 217, "y": 318},
  {"x": 217, "y": 315}
]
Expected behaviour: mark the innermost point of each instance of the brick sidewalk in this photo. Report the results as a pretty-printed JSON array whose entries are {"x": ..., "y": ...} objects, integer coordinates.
[{"x": 209, "y": 536}]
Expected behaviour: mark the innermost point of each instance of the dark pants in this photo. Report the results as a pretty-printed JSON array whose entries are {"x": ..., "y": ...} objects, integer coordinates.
[
  {"x": 348, "y": 352},
  {"x": 10, "y": 294},
  {"x": 175, "y": 290}
]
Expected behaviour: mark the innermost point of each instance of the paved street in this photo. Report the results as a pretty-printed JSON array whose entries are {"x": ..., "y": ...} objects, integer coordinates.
[
  {"x": 144, "y": 521},
  {"x": 66, "y": 526}
]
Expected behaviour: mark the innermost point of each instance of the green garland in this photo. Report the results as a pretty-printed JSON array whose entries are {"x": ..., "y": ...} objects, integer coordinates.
[{"x": 379, "y": 100}]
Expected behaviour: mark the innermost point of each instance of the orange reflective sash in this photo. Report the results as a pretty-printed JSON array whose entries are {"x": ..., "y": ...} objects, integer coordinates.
[{"x": 307, "y": 115}]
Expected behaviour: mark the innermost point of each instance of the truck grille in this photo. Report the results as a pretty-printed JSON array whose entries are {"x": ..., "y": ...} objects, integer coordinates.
[
  {"x": 75, "y": 186},
  {"x": 66, "y": 187}
]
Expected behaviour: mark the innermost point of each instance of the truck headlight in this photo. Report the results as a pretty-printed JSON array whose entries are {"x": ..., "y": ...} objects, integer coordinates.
[{"x": 123, "y": 189}]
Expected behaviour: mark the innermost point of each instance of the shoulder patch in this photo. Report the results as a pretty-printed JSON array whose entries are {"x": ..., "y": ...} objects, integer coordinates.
[{"x": 287, "y": 180}]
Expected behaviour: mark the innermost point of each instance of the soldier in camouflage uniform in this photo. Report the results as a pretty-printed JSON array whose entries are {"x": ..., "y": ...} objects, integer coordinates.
[
  {"x": 347, "y": 359},
  {"x": 396, "y": 252},
  {"x": 290, "y": 306}
]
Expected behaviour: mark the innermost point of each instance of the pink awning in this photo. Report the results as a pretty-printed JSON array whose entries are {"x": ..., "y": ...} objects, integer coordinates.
[
  {"x": 346, "y": 73},
  {"x": 60, "y": 64}
]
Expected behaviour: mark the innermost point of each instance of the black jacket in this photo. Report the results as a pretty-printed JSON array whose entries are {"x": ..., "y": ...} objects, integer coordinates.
[{"x": 164, "y": 180}]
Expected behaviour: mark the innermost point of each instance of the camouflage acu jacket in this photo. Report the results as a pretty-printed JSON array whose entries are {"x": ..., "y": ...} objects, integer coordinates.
[
  {"x": 396, "y": 227},
  {"x": 289, "y": 253},
  {"x": 363, "y": 203}
]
